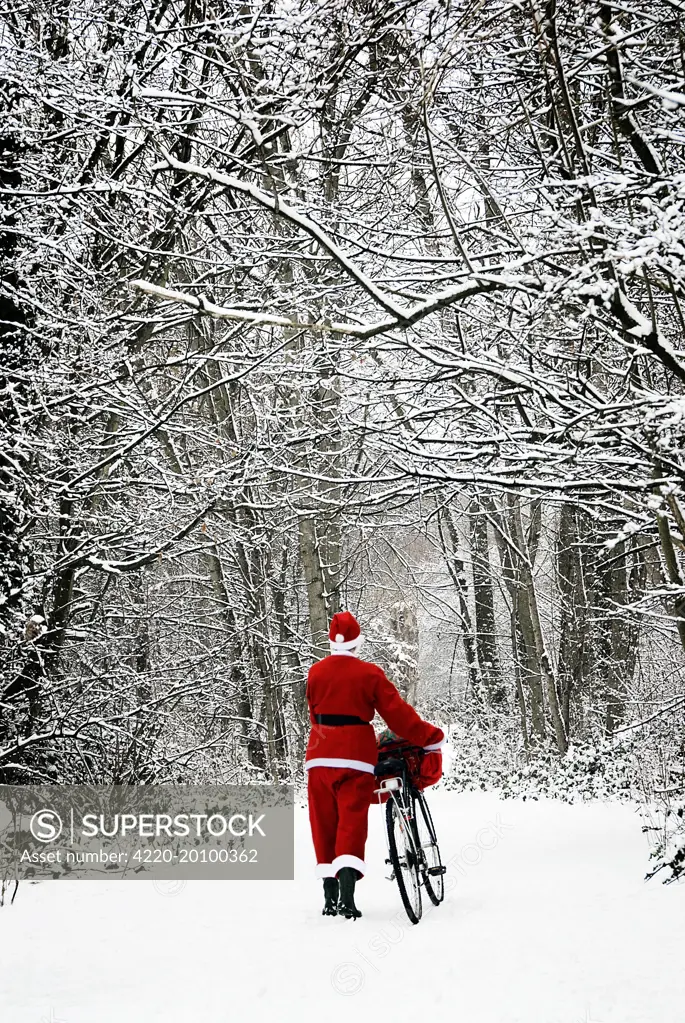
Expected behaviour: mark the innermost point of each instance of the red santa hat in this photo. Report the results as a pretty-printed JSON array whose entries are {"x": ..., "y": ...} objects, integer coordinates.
[{"x": 344, "y": 632}]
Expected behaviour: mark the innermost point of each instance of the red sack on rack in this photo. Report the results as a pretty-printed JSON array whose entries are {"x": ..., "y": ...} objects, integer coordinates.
[
  {"x": 424, "y": 768},
  {"x": 430, "y": 769}
]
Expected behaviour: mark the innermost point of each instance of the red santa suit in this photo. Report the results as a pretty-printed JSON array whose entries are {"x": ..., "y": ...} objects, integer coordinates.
[{"x": 343, "y": 694}]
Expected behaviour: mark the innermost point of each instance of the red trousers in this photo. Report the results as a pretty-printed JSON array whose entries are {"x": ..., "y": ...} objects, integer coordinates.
[{"x": 339, "y": 801}]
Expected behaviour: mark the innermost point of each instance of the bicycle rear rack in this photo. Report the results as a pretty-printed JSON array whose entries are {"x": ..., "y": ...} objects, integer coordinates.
[{"x": 389, "y": 785}]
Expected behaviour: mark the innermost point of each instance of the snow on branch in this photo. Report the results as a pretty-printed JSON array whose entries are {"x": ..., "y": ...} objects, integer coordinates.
[
  {"x": 252, "y": 319},
  {"x": 478, "y": 284},
  {"x": 277, "y": 205}
]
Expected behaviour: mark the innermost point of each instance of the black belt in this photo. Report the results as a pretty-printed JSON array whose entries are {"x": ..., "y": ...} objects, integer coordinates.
[{"x": 339, "y": 719}]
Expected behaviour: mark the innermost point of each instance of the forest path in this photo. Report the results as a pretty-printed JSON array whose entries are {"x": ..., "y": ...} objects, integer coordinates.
[{"x": 547, "y": 920}]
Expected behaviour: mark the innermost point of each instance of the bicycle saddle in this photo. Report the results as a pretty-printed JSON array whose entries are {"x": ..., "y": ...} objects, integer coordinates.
[{"x": 388, "y": 767}]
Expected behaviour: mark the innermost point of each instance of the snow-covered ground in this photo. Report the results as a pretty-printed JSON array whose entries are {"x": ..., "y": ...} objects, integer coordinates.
[{"x": 546, "y": 920}]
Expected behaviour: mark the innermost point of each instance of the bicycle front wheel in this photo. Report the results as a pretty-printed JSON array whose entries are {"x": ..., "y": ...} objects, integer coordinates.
[
  {"x": 433, "y": 870},
  {"x": 404, "y": 856}
]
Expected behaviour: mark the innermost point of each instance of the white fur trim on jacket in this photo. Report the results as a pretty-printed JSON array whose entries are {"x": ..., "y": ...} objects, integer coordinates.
[
  {"x": 358, "y": 765},
  {"x": 339, "y": 648},
  {"x": 346, "y": 860},
  {"x": 436, "y": 745},
  {"x": 325, "y": 870}
]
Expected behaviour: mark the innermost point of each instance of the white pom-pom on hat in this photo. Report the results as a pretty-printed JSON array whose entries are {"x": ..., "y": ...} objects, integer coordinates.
[{"x": 339, "y": 638}]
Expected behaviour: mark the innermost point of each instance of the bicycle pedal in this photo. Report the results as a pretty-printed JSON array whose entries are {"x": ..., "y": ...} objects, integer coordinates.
[{"x": 436, "y": 871}]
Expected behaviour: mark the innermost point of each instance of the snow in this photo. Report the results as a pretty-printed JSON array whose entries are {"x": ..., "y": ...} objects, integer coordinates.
[
  {"x": 254, "y": 319},
  {"x": 547, "y": 920},
  {"x": 643, "y": 327}
]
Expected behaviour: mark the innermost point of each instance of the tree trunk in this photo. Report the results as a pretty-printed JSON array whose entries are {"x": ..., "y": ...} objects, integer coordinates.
[
  {"x": 529, "y": 601},
  {"x": 486, "y": 640},
  {"x": 455, "y": 566},
  {"x": 574, "y": 625},
  {"x": 523, "y": 641}
]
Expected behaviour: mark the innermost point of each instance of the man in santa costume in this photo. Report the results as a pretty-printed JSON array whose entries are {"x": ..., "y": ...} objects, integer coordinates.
[{"x": 343, "y": 694}]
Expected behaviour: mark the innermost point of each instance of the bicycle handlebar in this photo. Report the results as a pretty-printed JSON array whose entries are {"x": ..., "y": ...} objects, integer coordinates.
[{"x": 399, "y": 751}]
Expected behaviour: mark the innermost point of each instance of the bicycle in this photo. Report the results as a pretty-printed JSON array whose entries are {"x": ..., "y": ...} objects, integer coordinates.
[{"x": 413, "y": 850}]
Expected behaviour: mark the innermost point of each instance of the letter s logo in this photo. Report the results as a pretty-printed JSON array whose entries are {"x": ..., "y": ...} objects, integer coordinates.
[{"x": 46, "y": 826}]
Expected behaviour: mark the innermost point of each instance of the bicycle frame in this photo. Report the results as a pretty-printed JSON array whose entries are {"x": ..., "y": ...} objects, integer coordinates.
[
  {"x": 403, "y": 793},
  {"x": 396, "y": 780}
]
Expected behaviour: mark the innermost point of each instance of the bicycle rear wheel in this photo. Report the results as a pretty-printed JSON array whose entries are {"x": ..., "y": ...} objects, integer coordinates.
[
  {"x": 433, "y": 870},
  {"x": 404, "y": 856}
]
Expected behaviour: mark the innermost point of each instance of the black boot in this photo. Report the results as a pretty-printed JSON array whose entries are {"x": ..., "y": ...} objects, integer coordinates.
[
  {"x": 330, "y": 892},
  {"x": 348, "y": 878}
]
